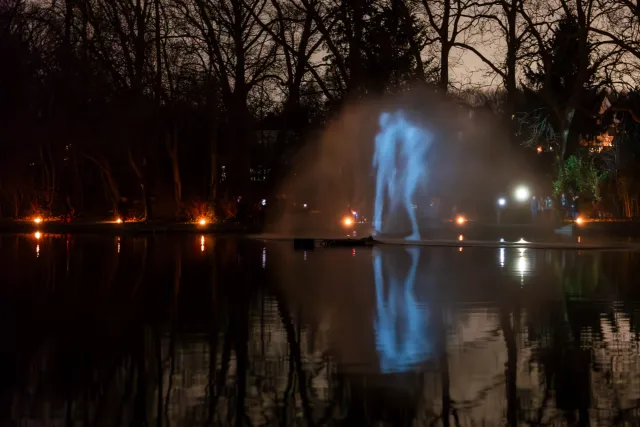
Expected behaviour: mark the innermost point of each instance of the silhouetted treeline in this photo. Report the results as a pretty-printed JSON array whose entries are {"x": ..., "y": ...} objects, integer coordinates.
[{"x": 167, "y": 108}]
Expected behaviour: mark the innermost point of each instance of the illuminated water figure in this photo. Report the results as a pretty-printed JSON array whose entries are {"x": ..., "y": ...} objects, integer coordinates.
[{"x": 401, "y": 166}]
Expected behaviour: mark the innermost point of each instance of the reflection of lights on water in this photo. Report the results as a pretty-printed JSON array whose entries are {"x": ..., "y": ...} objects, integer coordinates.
[
  {"x": 201, "y": 243},
  {"x": 460, "y": 249},
  {"x": 523, "y": 264},
  {"x": 118, "y": 243},
  {"x": 304, "y": 255},
  {"x": 501, "y": 257},
  {"x": 578, "y": 239},
  {"x": 353, "y": 251},
  {"x": 264, "y": 257},
  {"x": 37, "y": 235},
  {"x": 461, "y": 237}
]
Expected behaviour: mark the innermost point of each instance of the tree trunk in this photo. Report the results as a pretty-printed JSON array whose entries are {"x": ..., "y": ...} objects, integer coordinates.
[
  {"x": 172, "y": 148},
  {"x": 444, "y": 67}
]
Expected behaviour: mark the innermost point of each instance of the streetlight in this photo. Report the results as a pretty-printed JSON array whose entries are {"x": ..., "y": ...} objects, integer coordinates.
[
  {"x": 522, "y": 194},
  {"x": 502, "y": 202}
]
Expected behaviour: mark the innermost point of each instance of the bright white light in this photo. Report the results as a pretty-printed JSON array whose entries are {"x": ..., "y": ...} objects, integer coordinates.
[
  {"x": 502, "y": 201},
  {"x": 37, "y": 220},
  {"x": 502, "y": 240},
  {"x": 264, "y": 202},
  {"x": 119, "y": 220},
  {"x": 522, "y": 194},
  {"x": 461, "y": 220},
  {"x": 579, "y": 220},
  {"x": 461, "y": 237},
  {"x": 202, "y": 221},
  {"x": 38, "y": 235},
  {"x": 522, "y": 241},
  {"x": 501, "y": 257},
  {"x": 304, "y": 205}
]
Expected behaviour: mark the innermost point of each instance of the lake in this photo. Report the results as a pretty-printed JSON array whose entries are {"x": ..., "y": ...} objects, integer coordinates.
[{"x": 190, "y": 330}]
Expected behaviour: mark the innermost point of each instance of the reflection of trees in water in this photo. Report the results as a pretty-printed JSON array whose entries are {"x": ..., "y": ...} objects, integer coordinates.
[
  {"x": 161, "y": 354},
  {"x": 162, "y": 334}
]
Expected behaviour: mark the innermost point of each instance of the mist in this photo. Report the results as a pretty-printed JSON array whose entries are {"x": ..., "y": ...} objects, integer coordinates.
[{"x": 467, "y": 163}]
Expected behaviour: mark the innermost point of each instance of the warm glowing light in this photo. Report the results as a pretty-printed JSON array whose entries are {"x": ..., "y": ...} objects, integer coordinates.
[
  {"x": 522, "y": 194},
  {"x": 461, "y": 237},
  {"x": 539, "y": 149},
  {"x": 348, "y": 221},
  {"x": 37, "y": 220},
  {"x": 119, "y": 220},
  {"x": 460, "y": 249},
  {"x": 579, "y": 220},
  {"x": 38, "y": 235},
  {"x": 202, "y": 221},
  {"x": 461, "y": 220},
  {"x": 202, "y": 240}
]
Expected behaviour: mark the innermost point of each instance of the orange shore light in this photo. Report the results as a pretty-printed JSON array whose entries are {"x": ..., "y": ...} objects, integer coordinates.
[{"x": 461, "y": 219}]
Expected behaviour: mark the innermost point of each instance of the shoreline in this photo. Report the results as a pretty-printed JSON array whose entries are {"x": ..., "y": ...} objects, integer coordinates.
[{"x": 626, "y": 229}]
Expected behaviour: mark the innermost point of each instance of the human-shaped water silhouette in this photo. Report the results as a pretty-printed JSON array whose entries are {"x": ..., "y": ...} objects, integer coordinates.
[
  {"x": 401, "y": 161},
  {"x": 401, "y": 324}
]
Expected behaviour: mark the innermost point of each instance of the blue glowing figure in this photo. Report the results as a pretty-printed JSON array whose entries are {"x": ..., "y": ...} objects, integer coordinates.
[
  {"x": 401, "y": 324},
  {"x": 401, "y": 161}
]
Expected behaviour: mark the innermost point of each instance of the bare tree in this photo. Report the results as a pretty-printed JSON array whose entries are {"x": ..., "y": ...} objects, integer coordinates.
[
  {"x": 241, "y": 54},
  {"x": 450, "y": 20}
]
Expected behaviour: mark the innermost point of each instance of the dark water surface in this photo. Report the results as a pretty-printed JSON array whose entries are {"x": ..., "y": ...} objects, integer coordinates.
[{"x": 202, "y": 330}]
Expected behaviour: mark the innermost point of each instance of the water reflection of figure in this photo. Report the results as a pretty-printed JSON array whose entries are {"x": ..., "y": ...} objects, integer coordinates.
[
  {"x": 408, "y": 174},
  {"x": 400, "y": 326}
]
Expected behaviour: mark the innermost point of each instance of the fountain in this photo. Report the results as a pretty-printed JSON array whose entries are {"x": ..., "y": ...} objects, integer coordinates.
[{"x": 389, "y": 159}]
